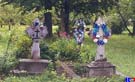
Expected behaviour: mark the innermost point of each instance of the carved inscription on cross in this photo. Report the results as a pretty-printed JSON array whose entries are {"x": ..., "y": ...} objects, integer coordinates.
[{"x": 37, "y": 33}]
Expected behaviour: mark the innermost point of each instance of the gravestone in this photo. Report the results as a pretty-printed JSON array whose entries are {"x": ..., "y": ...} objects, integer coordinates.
[
  {"x": 36, "y": 32},
  {"x": 100, "y": 67},
  {"x": 34, "y": 65}
]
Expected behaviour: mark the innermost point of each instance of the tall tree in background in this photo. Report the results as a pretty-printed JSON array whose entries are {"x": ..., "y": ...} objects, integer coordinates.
[
  {"x": 125, "y": 10},
  {"x": 66, "y": 15},
  {"x": 37, "y": 5},
  {"x": 48, "y": 16},
  {"x": 122, "y": 7},
  {"x": 86, "y": 7},
  {"x": 64, "y": 8}
]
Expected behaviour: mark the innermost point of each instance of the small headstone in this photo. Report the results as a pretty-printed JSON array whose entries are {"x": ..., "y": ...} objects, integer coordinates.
[{"x": 100, "y": 67}]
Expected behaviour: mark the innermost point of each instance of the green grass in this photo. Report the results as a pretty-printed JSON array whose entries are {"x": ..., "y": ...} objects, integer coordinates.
[
  {"x": 120, "y": 51},
  {"x": 53, "y": 77}
]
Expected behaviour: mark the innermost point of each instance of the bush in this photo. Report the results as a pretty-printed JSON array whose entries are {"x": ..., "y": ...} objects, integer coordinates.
[
  {"x": 24, "y": 47},
  {"x": 46, "y": 53},
  {"x": 87, "y": 53},
  {"x": 7, "y": 62},
  {"x": 66, "y": 49}
]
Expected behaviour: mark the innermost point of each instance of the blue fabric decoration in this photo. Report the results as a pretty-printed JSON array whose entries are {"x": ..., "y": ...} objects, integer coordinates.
[
  {"x": 105, "y": 30},
  {"x": 107, "y": 34},
  {"x": 100, "y": 42},
  {"x": 104, "y": 27},
  {"x": 95, "y": 29},
  {"x": 77, "y": 34},
  {"x": 36, "y": 23}
]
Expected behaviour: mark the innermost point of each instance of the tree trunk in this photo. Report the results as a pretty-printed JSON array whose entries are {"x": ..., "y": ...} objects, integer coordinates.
[
  {"x": 1, "y": 25},
  {"x": 48, "y": 16},
  {"x": 62, "y": 22},
  {"x": 66, "y": 15},
  {"x": 134, "y": 28},
  {"x": 48, "y": 23},
  {"x": 9, "y": 27},
  {"x": 123, "y": 20}
]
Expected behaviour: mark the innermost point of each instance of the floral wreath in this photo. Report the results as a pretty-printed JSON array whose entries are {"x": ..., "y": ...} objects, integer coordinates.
[
  {"x": 96, "y": 37},
  {"x": 79, "y": 36}
]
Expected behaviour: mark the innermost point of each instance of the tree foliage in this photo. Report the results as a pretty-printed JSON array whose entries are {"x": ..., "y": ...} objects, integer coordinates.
[{"x": 121, "y": 13}]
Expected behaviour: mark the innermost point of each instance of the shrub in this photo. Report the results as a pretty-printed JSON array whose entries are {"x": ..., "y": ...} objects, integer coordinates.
[
  {"x": 46, "y": 53},
  {"x": 87, "y": 53},
  {"x": 7, "y": 62},
  {"x": 66, "y": 49},
  {"x": 24, "y": 45}
]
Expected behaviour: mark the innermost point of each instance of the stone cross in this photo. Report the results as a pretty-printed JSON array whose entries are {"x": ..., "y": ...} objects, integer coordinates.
[
  {"x": 100, "y": 53},
  {"x": 36, "y": 33}
]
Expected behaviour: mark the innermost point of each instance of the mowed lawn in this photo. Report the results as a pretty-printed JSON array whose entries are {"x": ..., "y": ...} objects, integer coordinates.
[{"x": 121, "y": 52}]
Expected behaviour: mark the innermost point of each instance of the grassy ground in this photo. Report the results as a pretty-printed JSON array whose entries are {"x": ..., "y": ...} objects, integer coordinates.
[{"x": 119, "y": 50}]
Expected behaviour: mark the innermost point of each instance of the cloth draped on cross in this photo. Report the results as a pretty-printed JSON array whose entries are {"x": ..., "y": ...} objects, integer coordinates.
[
  {"x": 79, "y": 36},
  {"x": 96, "y": 36}
]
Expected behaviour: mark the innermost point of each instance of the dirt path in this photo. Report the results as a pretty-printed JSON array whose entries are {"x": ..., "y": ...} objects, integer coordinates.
[{"x": 68, "y": 70}]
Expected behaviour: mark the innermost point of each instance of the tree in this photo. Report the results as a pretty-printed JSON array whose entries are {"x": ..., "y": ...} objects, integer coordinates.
[
  {"x": 65, "y": 7},
  {"x": 86, "y": 7},
  {"x": 10, "y": 14},
  {"x": 125, "y": 10},
  {"x": 37, "y": 5}
]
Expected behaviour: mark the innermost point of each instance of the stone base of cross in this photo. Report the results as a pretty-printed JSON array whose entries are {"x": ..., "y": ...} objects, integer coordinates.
[{"x": 100, "y": 67}]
